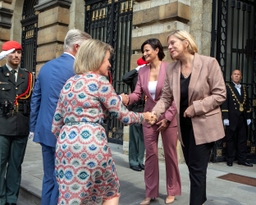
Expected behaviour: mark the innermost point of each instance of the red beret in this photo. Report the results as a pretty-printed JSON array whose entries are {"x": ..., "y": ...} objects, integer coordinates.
[
  {"x": 11, "y": 44},
  {"x": 140, "y": 61}
]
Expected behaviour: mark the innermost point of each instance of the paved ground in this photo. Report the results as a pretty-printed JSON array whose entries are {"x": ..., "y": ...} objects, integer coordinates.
[{"x": 219, "y": 191}]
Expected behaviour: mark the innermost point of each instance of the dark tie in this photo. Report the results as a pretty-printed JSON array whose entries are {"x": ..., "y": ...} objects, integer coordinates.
[{"x": 13, "y": 75}]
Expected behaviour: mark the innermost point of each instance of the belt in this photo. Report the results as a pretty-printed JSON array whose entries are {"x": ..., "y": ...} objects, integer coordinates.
[{"x": 80, "y": 123}]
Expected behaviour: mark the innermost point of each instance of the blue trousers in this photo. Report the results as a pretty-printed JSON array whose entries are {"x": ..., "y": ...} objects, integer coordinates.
[{"x": 50, "y": 190}]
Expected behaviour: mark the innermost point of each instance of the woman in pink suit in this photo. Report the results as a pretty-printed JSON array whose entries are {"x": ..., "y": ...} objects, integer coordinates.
[{"x": 150, "y": 82}]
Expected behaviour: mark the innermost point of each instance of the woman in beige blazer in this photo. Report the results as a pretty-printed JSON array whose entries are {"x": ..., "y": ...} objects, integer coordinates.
[{"x": 196, "y": 84}]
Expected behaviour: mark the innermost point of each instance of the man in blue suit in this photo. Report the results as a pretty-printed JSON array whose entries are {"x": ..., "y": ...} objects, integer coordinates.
[{"x": 50, "y": 80}]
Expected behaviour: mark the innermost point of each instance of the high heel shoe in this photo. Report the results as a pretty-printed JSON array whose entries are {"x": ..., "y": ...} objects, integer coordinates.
[
  {"x": 169, "y": 199},
  {"x": 147, "y": 201}
]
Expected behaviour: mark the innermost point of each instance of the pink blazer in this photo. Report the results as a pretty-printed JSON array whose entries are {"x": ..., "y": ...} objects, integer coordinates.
[
  {"x": 142, "y": 87},
  {"x": 207, "y": 91}
]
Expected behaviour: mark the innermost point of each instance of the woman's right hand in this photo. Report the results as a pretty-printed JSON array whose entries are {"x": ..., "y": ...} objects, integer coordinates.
[{"x": 125, "y": 99}]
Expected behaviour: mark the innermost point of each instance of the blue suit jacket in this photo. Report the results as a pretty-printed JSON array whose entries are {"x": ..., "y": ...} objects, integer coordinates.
[{"x": 50, "y": 80}]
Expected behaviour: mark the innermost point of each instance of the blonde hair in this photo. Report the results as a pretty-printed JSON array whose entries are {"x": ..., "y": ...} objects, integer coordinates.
[
  {"x": 91, "y": 55},
  {"x": 184, "y": 35}
]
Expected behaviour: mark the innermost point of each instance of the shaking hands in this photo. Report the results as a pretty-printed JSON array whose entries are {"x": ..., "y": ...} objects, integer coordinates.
[
  {"x": 150, "y": 117},
  {"x": 125, "y": 99}
]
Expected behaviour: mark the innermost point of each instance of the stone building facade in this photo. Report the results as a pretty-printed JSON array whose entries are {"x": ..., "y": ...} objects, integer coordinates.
[{"x": 150, "y": 18}]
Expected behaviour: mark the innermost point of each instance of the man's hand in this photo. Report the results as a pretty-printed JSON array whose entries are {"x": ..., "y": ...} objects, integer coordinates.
[
  {"x": 226, "y": 122},
  {"x": 31, "y": 135},
  {"x": 5, "y": 53},
  {"x": 248, "y": 121}
]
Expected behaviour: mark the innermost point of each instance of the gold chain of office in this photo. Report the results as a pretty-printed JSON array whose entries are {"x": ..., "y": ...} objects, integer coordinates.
[{"x": 241, "y": 105}]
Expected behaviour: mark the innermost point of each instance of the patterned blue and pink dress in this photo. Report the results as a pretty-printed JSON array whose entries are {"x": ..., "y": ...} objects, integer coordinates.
[{"x": 85, "y": 169}]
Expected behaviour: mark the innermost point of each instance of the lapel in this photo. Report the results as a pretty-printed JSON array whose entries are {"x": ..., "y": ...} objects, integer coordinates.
[
  {"x": 7, "y": 74},
  {"x": 20, "y": 77},
  {"x": 144, "y": 73},
  {"x": 160, "y": 80},
  {"x": 175, "y": 73},
  {"x": 196, "y": 69}
]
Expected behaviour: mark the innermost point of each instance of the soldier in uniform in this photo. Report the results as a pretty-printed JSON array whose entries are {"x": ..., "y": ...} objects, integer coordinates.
[
  {"x": 15, "y": 91},
  {"x": 136, "y": 140},
  {"x": 236, "y": 114}
]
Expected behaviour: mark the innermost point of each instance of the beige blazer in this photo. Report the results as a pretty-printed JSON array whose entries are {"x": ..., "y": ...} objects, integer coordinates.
[{"x": 207, "y": 91}]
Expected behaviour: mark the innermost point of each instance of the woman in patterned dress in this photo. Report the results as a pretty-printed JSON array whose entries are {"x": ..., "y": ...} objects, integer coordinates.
[{"x": 85, "y": 169}]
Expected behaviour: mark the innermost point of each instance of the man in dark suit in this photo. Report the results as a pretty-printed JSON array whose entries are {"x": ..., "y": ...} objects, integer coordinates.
[
  {"x": 15, "y": 91},
  {"x": 236, "y": 114},
  {"x": 136, "y": 141},
  {"x": 50, "y": 80}
]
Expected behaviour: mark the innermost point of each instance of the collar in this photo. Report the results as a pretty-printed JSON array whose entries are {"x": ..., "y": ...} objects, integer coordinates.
[
  {"x": 10, "y": 68},
  {"x": 70, "y": 54},
  {"x": 237, "y": 85}
]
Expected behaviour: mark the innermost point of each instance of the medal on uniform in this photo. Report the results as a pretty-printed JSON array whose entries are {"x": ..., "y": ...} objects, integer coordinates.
[{"x": 241, "y": 109}]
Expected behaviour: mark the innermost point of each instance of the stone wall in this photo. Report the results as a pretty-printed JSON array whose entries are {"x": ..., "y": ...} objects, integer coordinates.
[
  {"x": 151, "y": 18},
  {"x": 156, "y": 18}
]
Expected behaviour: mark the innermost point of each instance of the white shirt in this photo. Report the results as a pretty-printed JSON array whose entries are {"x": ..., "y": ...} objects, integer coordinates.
[
  {"x": 152, "y": 88},
  {"x": 16, "y": 73}
]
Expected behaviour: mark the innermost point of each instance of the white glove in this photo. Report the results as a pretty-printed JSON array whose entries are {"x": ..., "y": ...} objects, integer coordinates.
[
  {"x": 249, "y": 121},
  {"x": 31, "y": 135},
  {"x": 138, "y": 68},
  {"x": 226, "y": 122},
  {"x": 5, "y": 53}
]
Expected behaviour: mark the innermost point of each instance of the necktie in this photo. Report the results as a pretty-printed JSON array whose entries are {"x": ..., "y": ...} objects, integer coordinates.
[{"x": 13, "y": 74}]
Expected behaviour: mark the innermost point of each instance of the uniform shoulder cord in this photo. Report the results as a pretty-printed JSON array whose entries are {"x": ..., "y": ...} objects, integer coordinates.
[{"x": 27, "y": 93}]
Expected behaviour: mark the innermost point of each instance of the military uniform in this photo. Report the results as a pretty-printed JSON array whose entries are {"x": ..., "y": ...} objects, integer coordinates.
[
  {"x": 237, "y": 110},
  {"x": 14, "y": 129},
  {"x": 136, "y": 140}
]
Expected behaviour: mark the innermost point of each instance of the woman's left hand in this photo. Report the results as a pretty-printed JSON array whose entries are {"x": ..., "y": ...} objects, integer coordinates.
[
  {"x": 189, "y": 112},
  {"x": 163, "y": 124}
]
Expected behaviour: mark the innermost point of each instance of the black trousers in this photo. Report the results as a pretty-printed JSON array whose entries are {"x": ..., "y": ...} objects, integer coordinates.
[
  {"x": 197, "y": 158},
  {"x": 236, "y": 142}
]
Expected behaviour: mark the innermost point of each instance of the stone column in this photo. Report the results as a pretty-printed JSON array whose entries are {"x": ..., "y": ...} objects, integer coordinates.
[
  {"x": 6, "y": 13},
  {"x": 53, "y": 22}
]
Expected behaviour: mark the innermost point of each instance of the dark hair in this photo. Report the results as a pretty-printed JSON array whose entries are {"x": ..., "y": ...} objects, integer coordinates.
[{"x": 154, "y": 43}]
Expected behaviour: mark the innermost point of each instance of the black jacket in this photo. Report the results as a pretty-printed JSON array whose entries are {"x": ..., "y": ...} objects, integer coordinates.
[
  {"x": 130, "y": 79},
  {"x": 15, "y": 102},
  {"x": 236, "y": 105}
]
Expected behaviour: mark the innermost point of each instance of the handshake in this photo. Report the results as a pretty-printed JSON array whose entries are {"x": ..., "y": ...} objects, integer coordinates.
[
  {"x": 125, "y": 99},
  {"x": 150, "y": 117}
]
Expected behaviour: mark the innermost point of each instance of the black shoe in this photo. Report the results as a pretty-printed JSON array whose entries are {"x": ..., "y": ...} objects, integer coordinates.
[
  {"x": 142, "y": 166},
  {"x": 245, "y": 164},
  {"x": 10, "y": 204},
  {"x": 135, "y": 168},
  {"x": 230, "y": 164}
]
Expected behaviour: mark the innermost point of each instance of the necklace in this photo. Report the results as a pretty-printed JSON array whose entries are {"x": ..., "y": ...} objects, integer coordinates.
[
  {"x": 241, "y": 104},
  {"x": 186, "y": 76}
]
